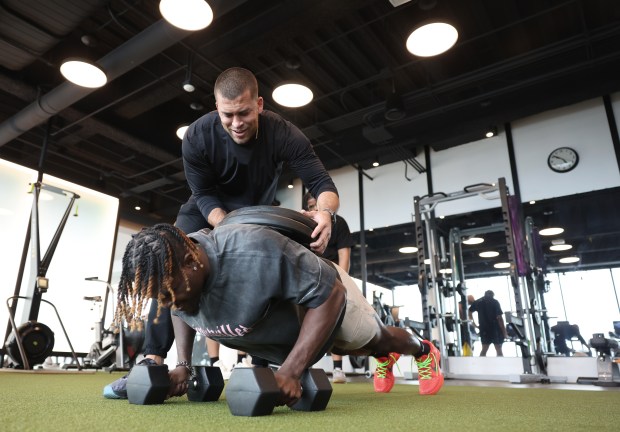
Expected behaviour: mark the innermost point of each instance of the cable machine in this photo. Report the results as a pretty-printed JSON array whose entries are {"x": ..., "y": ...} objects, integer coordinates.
[{"x": 442, "y": 318}]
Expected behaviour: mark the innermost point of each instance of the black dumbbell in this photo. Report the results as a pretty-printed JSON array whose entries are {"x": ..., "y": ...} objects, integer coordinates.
[
  {"x": 254, "y": 391},
  {"x": 148, "y": 385}
]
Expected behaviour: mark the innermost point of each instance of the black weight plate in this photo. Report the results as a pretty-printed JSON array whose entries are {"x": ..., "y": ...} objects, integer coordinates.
[{"x": 286, "y": 221}]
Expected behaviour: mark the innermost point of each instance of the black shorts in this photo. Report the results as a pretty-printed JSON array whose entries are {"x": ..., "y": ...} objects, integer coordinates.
[{"x": 488, "y": 338}]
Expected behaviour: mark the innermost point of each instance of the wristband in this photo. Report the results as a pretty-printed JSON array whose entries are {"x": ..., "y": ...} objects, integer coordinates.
[
  {"x": 187, "y": 366},
  {"x": 332, "y": 214}
]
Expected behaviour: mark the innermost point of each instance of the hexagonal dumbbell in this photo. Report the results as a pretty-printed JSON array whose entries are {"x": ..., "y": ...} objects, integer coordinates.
[
  {"x": 147, "y": 385},
  {"x": 254, "y": 391},
  {"x": 206, "y": 385}
]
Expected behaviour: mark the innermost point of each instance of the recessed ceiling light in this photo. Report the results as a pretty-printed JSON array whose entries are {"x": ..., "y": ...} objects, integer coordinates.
[
  {"x": 501, "y": 265},
  {"x": 181, "y": 131},
  {"x": 488, "y": 254},
  {"x": 189, "y": 15},
  {"x": 569, "y": 260},
  {"x": 292, "y": 95},
  {"x": 83, "y": 73},
  {"x": 551, "y": 231},
  {"x": 432, "y": 39},
  {"x": 408, "y": 249},
  {"x": 560, "y": 247},
  {"x": 473, "y": 240},
  {"x": 445, "y": 271}
]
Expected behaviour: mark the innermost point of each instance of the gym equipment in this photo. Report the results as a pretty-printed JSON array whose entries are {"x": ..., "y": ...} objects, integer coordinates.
[
  {"x": 254, "y": 391},
  {"x": 33, "y": 353},
  {"x": 288, "y": 222},
  {"x": 608, "y": 362},
  {"x": 206, "y": 385},
  {"x": 564, "y": 331},
  {"x": 148, "y": 385}
]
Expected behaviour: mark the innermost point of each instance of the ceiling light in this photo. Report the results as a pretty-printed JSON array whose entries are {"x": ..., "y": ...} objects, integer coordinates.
[
  {"x": 375, "y": 164},
  {"x": 532, "y": 202},
  {"x": 83, "y": 73},
  {"x": 292, "y": 95},
  {"x": 181, "y": 131},
  {"x": 189, "y": 15},
  {"x": 408, "y": 249},
  {"x": 188, "y": 86},
  {"x": 427, "y": 261},
  {"x": 445, "y": 271},
  {"x": 473, "y": 240},
  {"x": 560, "y": 247},
  {"x": 290, "y": 184},
  {"x": 432, "y": 39},
  {"x": 491, "y": 132},
  {"x": 501, "y": 265},
  {"x": 551, "y": 231},
  {"x": 569, "y": 260},
  {"x": 137, "y": 208},
  {"x": 394, "y": 106},
  {"x": 488, "y": 254}
]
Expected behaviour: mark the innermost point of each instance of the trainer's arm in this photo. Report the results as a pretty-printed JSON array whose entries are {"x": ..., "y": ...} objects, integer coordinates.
[
  {"x": 184, "y": 336},
  {"x": 317, "y": 326}
]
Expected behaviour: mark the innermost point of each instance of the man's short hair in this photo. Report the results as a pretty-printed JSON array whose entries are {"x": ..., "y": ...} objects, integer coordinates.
[
  {"x": 489, "y": 294},
  {"x": 306, "y": 198},
  {"x": 233, "y": 82}
]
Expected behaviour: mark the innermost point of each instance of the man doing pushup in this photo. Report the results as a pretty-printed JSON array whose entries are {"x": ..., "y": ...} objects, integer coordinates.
[{"x": 253, "y": 289}]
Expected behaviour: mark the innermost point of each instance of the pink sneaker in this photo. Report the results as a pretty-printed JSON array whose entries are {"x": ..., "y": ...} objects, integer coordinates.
[
  {"x": 384, "y": 378},
  {"x": 429, "y": 372}
]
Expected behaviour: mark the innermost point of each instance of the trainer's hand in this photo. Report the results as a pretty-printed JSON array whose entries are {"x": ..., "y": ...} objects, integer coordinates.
[
  {"x": 322, "y": 232},
  {"x": 178, "y": 381},
  {"x": 290, "y": 389}
]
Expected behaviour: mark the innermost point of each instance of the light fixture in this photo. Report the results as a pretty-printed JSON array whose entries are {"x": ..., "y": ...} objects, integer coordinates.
[
  {"x": 432, "y": 39},
  {"x": 375, "y": 162},
  {"x": 473, "y": 240},
  {"x": 551, "y": 231},
  {"x": 408, "y": 249},
  {"x": 569, "y": 260},
  {"x": 488, "y": 254},
  {"x": 137, "y": 208},
  {"x": 189, "y": 15},
  {"x": 290, "y": 184},
  {"x": 501, "y": 265},
  {"x": 532, "y": 202},
  {"x": 446, "y": 271},
  {"x": 187, "y": 83},
  {"x": 491, "y": 132},
  {"x": 181, "y": 131},
  {"x": 427, "y": 261},
  {"x": 560, "y": 247},
  {"x": 80, "y": 71},
  {"x": 292, "y": 95}
]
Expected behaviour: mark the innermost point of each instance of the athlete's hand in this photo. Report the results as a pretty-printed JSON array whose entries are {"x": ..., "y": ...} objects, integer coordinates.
[
  {"x": 322, "y": 232},
  {"x": 290, "y": 389},
  {"x": 178, "y": 381}
]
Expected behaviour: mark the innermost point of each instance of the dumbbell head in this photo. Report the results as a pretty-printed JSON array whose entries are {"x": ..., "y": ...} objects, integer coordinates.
[
  {"x": 252, "y": 392},
  {"x": 316, "y": 391},
  {"x": 148, "y": 385},
  {"x": 207, "y": 385}
]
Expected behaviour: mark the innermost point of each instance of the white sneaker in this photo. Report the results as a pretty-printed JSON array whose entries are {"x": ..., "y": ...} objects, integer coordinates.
[
  {"x": 225, "y": 371},
  {"x": 338, "y": 376},
  {"x": 245, "y": 363}
]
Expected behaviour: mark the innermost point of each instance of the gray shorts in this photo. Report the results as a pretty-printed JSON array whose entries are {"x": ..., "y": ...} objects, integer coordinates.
[{"x": 360, "y": 323}]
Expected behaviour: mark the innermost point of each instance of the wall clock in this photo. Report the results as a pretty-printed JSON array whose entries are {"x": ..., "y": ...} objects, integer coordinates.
[{"x": 563, "y": 159}]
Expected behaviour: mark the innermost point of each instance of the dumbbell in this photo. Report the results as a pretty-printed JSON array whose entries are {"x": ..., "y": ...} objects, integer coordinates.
[
  {"x": 148, "y": 385},
  {"x": 254, "y": 391}
]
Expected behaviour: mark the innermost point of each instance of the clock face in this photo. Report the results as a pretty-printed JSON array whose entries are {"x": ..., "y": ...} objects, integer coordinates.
[{"x": 563, "y": 159}]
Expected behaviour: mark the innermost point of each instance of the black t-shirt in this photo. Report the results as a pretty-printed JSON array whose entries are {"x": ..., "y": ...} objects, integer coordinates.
[
  {"x": 488, "y": 310},
  {"x": 224, "y": 174},
  {"x": 341, "y": 238},
  {"x": 256, "y": 277}
]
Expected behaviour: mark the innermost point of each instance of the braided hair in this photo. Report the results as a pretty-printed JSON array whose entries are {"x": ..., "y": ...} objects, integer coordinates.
[{"x": 152, "y": 258}]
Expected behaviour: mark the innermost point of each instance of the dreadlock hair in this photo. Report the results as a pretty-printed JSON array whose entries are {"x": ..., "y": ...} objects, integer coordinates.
[{"x": 152, "y": 258}]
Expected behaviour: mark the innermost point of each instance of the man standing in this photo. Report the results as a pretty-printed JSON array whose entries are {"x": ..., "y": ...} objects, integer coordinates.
[
  {"x": 233, "y": 158},
  {"x": 338, "y": 251},
  {"x": 490, "y": 322}
]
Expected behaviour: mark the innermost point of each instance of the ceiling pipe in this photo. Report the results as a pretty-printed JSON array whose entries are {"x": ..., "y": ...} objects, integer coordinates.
[{"x": 132, "y": 53}]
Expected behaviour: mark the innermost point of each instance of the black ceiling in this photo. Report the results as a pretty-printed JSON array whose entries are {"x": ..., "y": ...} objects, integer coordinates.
[{"x": 514, "y": 58}]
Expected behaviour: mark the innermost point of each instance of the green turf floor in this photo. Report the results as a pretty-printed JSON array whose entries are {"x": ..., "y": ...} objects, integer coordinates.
[{"x": 74, "y": 402}]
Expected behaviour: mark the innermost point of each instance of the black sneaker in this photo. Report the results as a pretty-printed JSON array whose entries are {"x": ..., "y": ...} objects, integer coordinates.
[{"x": 118, "y": 389}]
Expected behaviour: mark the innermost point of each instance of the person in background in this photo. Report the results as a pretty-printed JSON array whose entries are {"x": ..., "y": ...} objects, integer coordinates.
[
  {"x": 338, "y": 251},
  {"x": 233, "y": 158},
  {"x": 490, "y": 323}
]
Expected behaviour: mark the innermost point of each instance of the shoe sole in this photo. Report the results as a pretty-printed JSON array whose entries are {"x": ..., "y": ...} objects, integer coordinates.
[{"x": 108, "y": 393}]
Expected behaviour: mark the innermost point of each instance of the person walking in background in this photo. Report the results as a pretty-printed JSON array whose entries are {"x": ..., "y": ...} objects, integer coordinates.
[
  {"x": 233, "y": 158},
  {"x": 490, "y": 323},
  {"x": 338, "y": 251}
]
